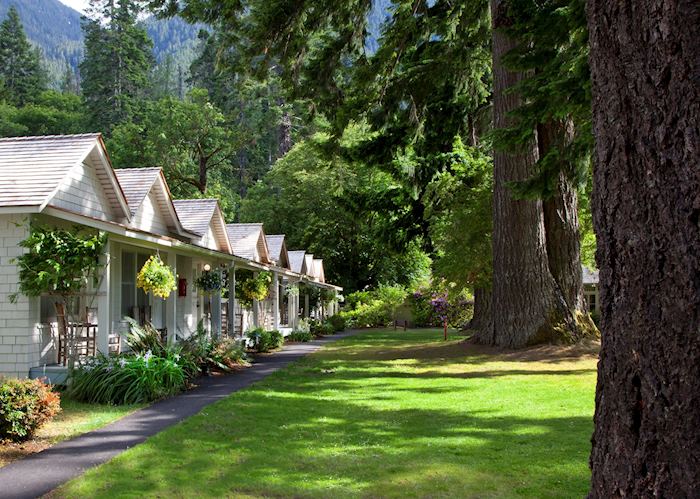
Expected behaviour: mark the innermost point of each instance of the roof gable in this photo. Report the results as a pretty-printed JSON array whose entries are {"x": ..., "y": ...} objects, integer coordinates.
[
  {"x": 297, "y": 261},
  {"x": 136, "y": 184},
  {"x": 204, "y": 218},
  {"x": 309, "y": 264},
  {"x": 33, "y": 170},
  {"x": 248, "y": 241},
  {"x": 277, "y": 249},
  {"x": 147, "y": 186},
  {"x": 319, "y": 274}
]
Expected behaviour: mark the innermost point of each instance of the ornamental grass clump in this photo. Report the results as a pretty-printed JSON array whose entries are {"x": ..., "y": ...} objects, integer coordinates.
[
  {"x": 25, "y": 405},
  {"x": 128, "y": 379},
  {"x": 156, "y": 277}
]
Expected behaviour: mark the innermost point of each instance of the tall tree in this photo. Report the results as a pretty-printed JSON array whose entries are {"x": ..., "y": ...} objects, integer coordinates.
[
  {"x": 537, "y": 285},
  {"x": 646, "y": 208},
  {"x": 189, "y": 139},
  {"x": 118, "y": 60},
  {"x": 21, "y": 73}
]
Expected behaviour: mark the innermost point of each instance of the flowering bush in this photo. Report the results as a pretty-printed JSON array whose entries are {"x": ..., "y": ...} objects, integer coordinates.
[
  {"x": 25, "y": 405},
  {"x": 129, "y": 378},
  {"x": 156, "y": 277},
  {"x": 442, "y": 301}
]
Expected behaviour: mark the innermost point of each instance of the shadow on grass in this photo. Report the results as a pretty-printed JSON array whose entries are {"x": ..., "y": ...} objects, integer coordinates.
[{"x": 347, "y": 424}]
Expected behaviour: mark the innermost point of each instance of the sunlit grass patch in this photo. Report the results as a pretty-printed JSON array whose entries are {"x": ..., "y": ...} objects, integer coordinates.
[{"x": 381, "y": 414}]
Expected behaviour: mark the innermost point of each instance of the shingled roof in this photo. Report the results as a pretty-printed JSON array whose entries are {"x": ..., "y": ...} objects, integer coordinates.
[
  {"x": 296, "y": 261},
  {"x": 589, "y": 276},
  {"x": 136, "y": 184},
  {"x": 277, "y": 250},
  {"x": 32, "y": 169},
  {"x": 247, "y": 239},
  {"x": 195, "y": 214}
]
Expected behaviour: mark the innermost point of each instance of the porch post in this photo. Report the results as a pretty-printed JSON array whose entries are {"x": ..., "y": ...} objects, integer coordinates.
[
  {"x": 292, "y": 319},
  {"x": 232, "y": 300},
  {"x": 171, "y": 303},
  {"x": 306, "y": 306},
  {"x": 275, "y": 301},
  {"x": 216, "y": 311},
  {"x": 104, "y": 315}
]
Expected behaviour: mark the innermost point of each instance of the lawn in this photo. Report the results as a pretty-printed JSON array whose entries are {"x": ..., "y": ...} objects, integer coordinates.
[
  {"x": 381, "y": 414},
  {"x": 75, "y": 418}
]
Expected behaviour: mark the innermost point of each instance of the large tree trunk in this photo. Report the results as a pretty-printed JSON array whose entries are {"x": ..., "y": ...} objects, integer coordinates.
[
  {"x": 481, "y": 320},
  {"x": 562, "y": 230},
  {"x": 646, "y": 206},
  {"x": 527, "y": 305}
]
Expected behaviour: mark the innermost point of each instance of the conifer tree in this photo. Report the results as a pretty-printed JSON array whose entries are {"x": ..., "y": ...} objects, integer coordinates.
[
  {"x": 21, "y": 73},
  {"x": 118, "y": 62}
]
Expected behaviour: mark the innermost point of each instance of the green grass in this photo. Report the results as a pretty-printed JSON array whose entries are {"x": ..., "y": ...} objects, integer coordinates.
[
  {"x": 382, "y": 414},
  {"x": 74, "y": 419}
]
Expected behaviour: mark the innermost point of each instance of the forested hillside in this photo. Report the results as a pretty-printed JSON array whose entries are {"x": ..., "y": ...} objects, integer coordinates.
[{"x": 55, "y": 29}]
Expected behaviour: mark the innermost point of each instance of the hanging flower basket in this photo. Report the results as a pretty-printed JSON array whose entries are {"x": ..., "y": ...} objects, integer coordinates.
[
  {"x": 258, "y": 287},
  {"x": 209, "y": 282},
  {"x": 291, "y": 290},
  {"x": 156, "y": 277}
]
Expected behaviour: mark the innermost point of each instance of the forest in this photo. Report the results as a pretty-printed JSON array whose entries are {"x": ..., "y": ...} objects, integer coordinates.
[{"x": 439, "y": 148}]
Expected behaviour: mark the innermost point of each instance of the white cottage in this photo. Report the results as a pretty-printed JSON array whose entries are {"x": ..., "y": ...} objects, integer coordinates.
[{"x": 68, "y": 180}]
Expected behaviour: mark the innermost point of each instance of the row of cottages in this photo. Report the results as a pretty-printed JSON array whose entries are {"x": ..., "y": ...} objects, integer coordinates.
[{"x": 67, "y": 181}]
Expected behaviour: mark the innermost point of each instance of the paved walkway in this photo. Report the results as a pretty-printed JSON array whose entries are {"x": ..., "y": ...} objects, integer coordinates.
[{"x": 40, "y": 473}]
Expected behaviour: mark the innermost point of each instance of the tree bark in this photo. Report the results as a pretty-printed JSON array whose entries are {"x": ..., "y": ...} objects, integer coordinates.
[
  {"x": 646, "y": 207},
  {"x": 562, "y": 229},
  {"x": 528, "y": 307},
  {"x": 481, "y": 320}
]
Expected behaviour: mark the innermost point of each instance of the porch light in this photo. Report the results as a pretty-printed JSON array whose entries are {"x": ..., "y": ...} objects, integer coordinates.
[{"x": 207, "y": 267}]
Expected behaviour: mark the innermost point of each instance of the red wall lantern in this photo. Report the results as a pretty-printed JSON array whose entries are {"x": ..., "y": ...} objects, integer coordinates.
[{"x": 182, "y": 287}]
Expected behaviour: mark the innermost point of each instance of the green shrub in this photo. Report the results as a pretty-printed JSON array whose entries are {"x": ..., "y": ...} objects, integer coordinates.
[
  {"x": 373, "y": 314},
  {"x": 338, "y": 322},
  {"x": 327, "y": 328},
  {"x": 205, "y": 353},
  {"x": 300, "y": 336},
  {"x": 264, "y": 341},
  {"x": 128, "y": 379},
  {"x": 25, "y": 405},
  {"x": 315, "y": 327}
]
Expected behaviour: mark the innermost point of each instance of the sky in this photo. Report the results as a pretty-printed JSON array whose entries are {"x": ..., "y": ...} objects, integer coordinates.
[{"x": 78, "y": 5}]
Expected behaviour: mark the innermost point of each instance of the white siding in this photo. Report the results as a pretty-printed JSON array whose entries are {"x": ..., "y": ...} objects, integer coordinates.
[
  {"x": 209, "y": 240},
  {"x": 148, "y": 217},
  {"x": 81, "y": 192},
  {"x": 20, "y": 337}
]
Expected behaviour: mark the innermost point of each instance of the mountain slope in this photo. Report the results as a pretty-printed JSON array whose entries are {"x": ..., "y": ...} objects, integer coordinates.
[{"x": 55, "y": 28}]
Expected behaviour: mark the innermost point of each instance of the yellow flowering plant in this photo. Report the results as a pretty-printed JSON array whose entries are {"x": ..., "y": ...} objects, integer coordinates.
[{"x": 156, "y": 277}]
